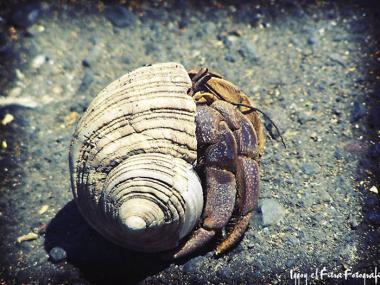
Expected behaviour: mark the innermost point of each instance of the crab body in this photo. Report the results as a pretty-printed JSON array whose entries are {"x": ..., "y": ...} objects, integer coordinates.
[{"x": 230, "y": 145}]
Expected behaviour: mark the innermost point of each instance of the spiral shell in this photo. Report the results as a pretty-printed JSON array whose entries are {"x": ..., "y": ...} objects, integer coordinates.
[{"x": 132, "y": 156}]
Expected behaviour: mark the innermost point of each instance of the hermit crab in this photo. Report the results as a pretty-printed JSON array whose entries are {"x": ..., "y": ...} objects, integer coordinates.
[{"x": 163, "y": 160}]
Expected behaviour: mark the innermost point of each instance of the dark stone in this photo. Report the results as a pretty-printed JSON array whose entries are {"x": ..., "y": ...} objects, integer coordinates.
[
  {"x": 26, "y": 15},
  {"x": 86, "y": 82},
  {"x": 358, "y": 112},
  {"x": 226, "y": 42},
  {"x": 57, "y": 254},
  {"x": 312, "y": 40},
  {"x": 119, "y": 16},
  {"x": 85, "y": 63},
  {"x": 229, "y": 58},
  {"x": 183, "y": 23},
  {"x": 336, "y": 111}
]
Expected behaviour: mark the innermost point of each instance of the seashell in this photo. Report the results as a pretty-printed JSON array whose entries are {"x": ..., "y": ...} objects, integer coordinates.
[{"x": 132, "y": 156}]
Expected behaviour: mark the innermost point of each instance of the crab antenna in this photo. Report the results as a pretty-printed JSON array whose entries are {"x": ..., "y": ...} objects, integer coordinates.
[
  {"x": 252, "y": 109},
  {"x": 199, "y": 74}
]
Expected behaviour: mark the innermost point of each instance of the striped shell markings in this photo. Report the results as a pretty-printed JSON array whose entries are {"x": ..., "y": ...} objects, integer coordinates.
[{"x": 132, "y": 156}]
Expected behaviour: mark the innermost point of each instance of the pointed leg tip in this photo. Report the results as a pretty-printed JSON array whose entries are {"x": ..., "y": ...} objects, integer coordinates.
[{"x": 218, "y": 253}]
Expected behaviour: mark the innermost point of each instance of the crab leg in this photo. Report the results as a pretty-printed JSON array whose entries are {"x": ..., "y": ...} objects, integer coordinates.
[
  {"x": 221, "y": 192},
  {"x": 248, "y": 189}
]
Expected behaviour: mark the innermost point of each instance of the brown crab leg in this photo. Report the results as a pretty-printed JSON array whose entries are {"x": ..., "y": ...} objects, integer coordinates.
[
  {"x": 199, "y": 238},
  {"x": 248, "y": 189},
  {"x": 235, "y": 235},
  {"x": 221, "y": 192}
]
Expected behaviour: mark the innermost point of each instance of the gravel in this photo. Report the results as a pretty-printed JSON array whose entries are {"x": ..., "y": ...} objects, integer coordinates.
[{"x": 312, "y": 66}]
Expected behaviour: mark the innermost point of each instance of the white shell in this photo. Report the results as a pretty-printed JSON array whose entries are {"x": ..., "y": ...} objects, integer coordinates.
[{"x": 132, "y": 157}]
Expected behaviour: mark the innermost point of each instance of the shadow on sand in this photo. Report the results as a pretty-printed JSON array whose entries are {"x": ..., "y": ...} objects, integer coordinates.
[{"x": 97, "y": 259}]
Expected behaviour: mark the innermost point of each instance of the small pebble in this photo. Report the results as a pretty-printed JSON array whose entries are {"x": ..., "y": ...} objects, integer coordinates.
[
  {"x": 57, "y": 254},
  {"x": 57, "y": 90},
  {"x": 312, "y": 40},
  {"x": 353, "y": 221},
  {"x": 247, "y": 50},
  {"x": 336, "y": 58},
  {"x": 8, "y": 118},
  {"x": 19, "y": 74},
  {"x": 25, "y": 102},
  {"x": 86, "y": 81},
  {"x": 27, "y": 237},
  {"x": 229, "y": 58},
  {"x": 324, "y": 196},
  {"x": 302, "y": 118},
  {"x": 35, "y": 29},
  {"x": 272, "y": 212},
  {"x": 14, "y": 92},
  {"x": 71, "y": 118},
  {"x": 374, "y": 189},
  {"x": 86, "y": 63},
  {"x": 38, "y": 61},
  {"x": 307, "y": 169},
  {"x": 43, "y": 209}
]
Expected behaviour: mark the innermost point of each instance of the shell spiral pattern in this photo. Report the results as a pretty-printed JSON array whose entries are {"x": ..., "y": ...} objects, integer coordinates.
[{"x": 132, "y": 156}]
